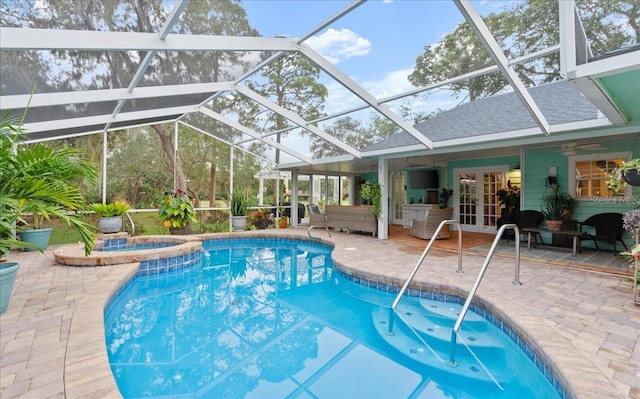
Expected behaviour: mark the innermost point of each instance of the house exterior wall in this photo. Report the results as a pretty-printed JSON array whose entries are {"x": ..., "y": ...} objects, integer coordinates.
[{"x": 538, "y": 162}]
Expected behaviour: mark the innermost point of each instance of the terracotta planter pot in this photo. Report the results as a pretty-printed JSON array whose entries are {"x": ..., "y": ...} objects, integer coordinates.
[
  {"x": 180, "y": 231},
  {"x": 554, "y": 225}
]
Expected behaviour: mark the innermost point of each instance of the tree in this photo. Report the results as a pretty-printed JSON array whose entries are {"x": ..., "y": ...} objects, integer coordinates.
[
  {"x": 126, "y": 178},
  {"x": 100, "y": 70},
  {"x": 347, "y": 130},
  {"x": 352, "y": 132},
  {"x": 458, "y": 53},
  {"x": 528, "y": 27},
  {"x": 292, "y": 83}
]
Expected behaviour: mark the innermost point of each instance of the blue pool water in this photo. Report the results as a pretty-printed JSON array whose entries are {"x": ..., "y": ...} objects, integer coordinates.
[{"x": 273, "y": 319}]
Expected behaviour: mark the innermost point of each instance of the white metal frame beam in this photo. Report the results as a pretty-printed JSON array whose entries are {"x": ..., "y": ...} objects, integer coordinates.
[
  {"x": 59, "y": 124},
  {"x": 575, "y": 67},
  {"x": 609, "y": 66},
  {"x": 88, "y": 96},
  {"x": 235, "y": 125},
  {"x": 53, "y": 39},
  {"x": 460, "y": 78},
  {"x": 490, "y": 44},
  {"x": 144, "y": 65},
  {"x": 296, "y": 119},
  {"x": 364, "y": 95},
  {"x": 190, "y": 126}
]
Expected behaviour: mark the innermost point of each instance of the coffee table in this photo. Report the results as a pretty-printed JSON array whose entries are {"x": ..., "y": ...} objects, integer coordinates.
[{"x": 575, "y": 234}]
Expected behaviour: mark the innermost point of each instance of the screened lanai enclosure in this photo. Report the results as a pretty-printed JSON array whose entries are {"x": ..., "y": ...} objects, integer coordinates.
[{"x": 287, "y": 101}]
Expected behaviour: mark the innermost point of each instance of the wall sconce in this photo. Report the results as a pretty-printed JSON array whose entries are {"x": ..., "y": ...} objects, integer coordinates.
[{"x": 553, "y": 176}]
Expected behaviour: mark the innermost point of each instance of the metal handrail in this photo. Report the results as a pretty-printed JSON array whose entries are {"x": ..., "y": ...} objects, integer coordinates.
[
  {"x": 467, "y": 303},
  {"x": 133, "y": 226},
  {"x": 417, "y": 266}
]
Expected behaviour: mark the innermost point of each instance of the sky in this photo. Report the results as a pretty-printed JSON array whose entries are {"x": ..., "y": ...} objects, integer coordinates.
[{"x": 376, "y": 44}]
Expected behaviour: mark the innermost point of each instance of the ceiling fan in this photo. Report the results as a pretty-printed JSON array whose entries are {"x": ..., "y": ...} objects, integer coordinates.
[{"x": 569, "y": 149}]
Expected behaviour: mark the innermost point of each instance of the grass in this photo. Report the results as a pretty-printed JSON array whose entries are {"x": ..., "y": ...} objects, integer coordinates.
[{"x": 146, "y": 223}]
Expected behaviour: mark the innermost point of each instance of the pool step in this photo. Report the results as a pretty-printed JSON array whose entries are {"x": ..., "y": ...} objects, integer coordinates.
[
  {"x": 436, "y": 329},
  {"x": 434, "y": 347},
  {"x": 448, "y": 312},
  {"x": 368, "y": 294}
]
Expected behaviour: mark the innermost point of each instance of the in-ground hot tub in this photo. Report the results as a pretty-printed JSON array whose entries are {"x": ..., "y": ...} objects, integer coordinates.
[{"x": 119, "y": 248}]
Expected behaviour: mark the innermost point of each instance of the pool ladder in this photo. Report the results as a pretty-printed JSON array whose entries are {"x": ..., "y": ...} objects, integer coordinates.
[{"x": 467, "y": 303}]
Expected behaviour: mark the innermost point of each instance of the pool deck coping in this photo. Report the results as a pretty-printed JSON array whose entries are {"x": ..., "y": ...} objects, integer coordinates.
[{"x": 588, "y": 364}]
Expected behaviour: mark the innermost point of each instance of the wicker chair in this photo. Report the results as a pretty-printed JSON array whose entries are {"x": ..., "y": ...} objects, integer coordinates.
[
  {"x": 316, "y": 218},
  {"x": 608, "y": 228},
  {"x": 426, "y": 228},
  {"x": 529, "y": 218}
]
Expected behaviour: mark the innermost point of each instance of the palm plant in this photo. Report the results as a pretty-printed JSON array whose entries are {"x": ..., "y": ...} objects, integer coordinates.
[
  {"x": 115, "y": 208},
  {"x": 40, "y": 180},
  {"x": 239, "y": 204}
]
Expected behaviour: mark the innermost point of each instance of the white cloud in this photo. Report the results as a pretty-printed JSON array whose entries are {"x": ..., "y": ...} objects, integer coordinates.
[
  {"x": 391, "y": 84},
  {"x": 339, "y": 44}
]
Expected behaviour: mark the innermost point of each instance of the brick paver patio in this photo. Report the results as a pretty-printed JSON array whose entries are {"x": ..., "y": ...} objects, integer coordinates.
[{"x": 52, "y": 338}]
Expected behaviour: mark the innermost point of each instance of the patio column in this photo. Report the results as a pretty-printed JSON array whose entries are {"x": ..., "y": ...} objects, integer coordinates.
[
  {"x": 294, "y": 198},
  {"x": 352, "y": 189},
  {"x": 383, "y": 178},
  {"x": 104, "y": 166}
]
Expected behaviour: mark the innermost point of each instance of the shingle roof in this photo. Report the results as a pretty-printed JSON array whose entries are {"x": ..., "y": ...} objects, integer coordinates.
[{"x": 560, "y": 102}]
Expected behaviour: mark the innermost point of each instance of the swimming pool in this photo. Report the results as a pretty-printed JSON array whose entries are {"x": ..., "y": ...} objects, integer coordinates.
[{"x": 270, "y": 318}]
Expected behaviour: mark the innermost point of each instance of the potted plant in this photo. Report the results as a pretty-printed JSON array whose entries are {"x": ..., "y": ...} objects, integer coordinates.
[
  {"x": 37, "y": 179},
  {"x": 110, "y": 215},
  {"x": 283, "y": 222},
  {"x": 444, "y": 198},
  {"x": 176, "y": 211},
  {"x": 626, "y": 173},
  {"x": 41, "y": 181},
  {"x": 509, "y": 199},
  {"x": 239, "y": 205},
  {"x": 370, "y": 192},
  {"x": 556, "y": 207}
]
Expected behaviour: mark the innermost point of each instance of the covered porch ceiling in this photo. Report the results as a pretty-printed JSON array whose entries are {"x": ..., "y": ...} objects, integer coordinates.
[{"x": 98, "y": 101}]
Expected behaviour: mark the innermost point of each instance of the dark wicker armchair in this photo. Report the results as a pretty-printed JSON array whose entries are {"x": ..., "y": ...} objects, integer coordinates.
[
  {"x": 608, "y": 228},
  {"x": 530, "y": 218}
]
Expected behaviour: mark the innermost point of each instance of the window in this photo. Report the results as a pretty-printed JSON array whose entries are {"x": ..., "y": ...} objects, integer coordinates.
[{"x": 591, "y": 173}]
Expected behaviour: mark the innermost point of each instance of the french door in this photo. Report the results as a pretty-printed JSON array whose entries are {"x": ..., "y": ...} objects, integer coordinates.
[
  {"x": 477, "y": 203},
  {"x": 398, "y": 196}
]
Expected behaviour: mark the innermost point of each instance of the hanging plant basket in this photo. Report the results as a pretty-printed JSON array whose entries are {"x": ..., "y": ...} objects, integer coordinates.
[{"x": 631, "y": 177}]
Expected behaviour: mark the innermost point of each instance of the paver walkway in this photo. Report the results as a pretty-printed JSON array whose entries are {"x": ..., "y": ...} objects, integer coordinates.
[{"x": 585, "y": 322}]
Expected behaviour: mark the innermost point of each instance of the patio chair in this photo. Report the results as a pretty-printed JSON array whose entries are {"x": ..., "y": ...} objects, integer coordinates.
[
  {"x": 529, "y": 218},
  {"x": 287, "y": 211},
  {"x": 316, "y": 218},
  {"x": 608, "y": 228}
]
